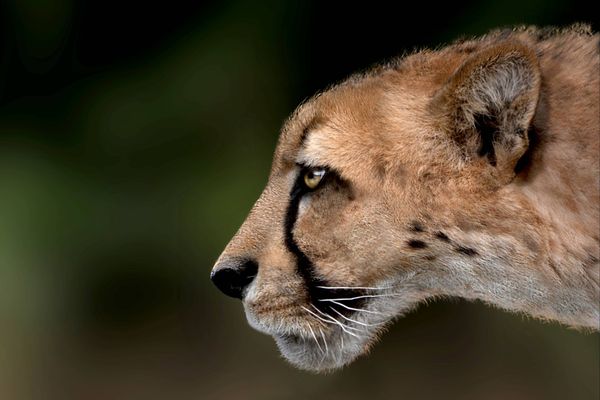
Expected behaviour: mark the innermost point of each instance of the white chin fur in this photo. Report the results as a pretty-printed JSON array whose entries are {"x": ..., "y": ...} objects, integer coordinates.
[
  {"x": 305, "y": 354},
  {"x": 334, "y": 350}
]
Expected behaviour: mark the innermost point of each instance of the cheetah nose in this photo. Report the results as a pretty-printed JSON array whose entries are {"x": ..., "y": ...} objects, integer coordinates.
[{"x": 233, "y": 276}]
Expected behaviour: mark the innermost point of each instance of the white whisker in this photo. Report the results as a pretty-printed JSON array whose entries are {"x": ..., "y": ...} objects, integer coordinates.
[
  {"x": 334, "y": 319},
  {"x": 344, "y": 327},
  {"x": 362, "y": 297},
  {"x": 352, "y": 320},
  {"x": 352, "y": 308},
  {"x": 353, "y": 287},
  {"x": 317, "y": 316},
  {"x": 325, "y": 342},
  {"x": 315, "y": 337}
]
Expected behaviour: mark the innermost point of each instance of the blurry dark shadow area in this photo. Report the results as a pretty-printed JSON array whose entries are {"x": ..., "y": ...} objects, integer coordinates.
[{"x": 135, "y": 137}]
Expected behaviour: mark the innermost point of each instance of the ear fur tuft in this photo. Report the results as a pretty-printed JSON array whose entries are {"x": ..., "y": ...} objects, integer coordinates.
[{"x": 489, "y": 102}]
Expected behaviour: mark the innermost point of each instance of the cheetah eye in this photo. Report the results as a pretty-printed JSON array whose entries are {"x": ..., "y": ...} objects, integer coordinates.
[{"x": 313, "y": 177}]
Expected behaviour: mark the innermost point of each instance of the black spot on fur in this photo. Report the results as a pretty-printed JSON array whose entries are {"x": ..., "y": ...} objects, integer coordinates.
[
  {"x": 415, "y": 226},
  {"x": 466, "y": 251},
  {"x": 442, "y": 236},
  {"x": 416, "y": 244}
]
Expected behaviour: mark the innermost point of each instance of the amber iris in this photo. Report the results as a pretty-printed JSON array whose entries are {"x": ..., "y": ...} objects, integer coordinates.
[{"x": 313, "y": 177}]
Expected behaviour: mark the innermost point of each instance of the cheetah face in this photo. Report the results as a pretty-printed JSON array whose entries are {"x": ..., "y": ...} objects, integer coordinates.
[{"x": 379, "y": 196}]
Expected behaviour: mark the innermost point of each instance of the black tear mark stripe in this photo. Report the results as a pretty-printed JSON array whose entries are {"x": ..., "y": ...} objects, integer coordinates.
[{"x": 304, "y": 265}]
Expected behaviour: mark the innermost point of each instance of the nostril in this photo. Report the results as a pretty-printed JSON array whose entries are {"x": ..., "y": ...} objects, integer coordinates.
[{"x": 233, "y": 277}]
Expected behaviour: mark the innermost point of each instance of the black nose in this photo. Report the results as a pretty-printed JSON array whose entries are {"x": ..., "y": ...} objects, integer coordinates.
[{"x": 232, "y": 277}]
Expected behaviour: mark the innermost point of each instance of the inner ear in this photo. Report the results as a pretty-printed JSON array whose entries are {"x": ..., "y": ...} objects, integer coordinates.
[
  {"x": 487, "y": 127},
  {"x": 488, "y": 104}
]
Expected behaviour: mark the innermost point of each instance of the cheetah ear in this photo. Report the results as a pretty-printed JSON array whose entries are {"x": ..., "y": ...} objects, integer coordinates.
[{"x": 488, "y": 104}]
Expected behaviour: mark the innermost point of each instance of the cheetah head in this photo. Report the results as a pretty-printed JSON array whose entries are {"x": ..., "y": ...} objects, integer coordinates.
[{"x": 386, "y": 190}]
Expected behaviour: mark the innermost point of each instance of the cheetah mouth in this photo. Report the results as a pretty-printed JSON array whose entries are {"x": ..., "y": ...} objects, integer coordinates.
[
  {"x": 321, "y": 354},
  {"x": 322, "y": 339}
]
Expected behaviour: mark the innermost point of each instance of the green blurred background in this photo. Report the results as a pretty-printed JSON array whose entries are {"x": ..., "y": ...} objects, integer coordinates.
[{"x": 135, "y": 137}]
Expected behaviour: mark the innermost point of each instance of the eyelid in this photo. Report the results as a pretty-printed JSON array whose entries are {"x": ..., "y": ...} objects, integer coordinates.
[{"x": 306, "y": 167}]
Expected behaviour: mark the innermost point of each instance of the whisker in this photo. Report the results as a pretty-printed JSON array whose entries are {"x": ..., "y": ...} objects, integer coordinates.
[
  {"x": 317, "y": 316},
  {"x": 334, "y": 319},
  {"x": 352, "y": 308},
  {"x": 353, "y": 287},
  {"x": 352, "y": 320},
  {"x": 344, "y": 327},
  {"x": 314, "y": 337},
  {"x": 363, "y": 297},
  {"x": 325, "y": 342}
]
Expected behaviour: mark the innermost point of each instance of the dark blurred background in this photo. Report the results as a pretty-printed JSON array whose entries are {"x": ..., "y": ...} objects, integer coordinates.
[{"x": 134, "y": 138}]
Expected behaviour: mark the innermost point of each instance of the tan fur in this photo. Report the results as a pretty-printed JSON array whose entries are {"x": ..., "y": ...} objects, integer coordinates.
[{"x": 405, "y": 138}]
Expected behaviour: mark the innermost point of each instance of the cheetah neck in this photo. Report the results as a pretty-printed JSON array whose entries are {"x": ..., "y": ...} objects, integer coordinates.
[{"x": 571, "y": 300}]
